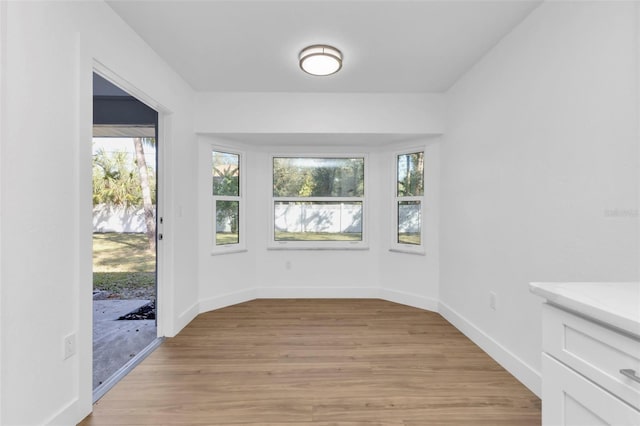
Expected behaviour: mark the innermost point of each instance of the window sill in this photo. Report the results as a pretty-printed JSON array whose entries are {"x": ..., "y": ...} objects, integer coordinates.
[
  {"x": 358, "y": 247},
  {"x": 229, "y": 251},
  {"x": 408, "y": 251}
]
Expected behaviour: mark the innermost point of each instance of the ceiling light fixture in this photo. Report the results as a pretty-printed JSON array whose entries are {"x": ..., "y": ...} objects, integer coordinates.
[{"x": 320, "y": 59}]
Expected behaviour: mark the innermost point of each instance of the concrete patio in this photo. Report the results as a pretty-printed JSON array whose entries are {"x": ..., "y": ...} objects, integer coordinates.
[{"x": 116, "y": 342}]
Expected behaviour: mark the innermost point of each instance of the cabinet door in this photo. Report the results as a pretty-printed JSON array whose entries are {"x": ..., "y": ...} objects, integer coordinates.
[
  {"x": 596, "y": 352},
  {"x": 569, "y": 399}
]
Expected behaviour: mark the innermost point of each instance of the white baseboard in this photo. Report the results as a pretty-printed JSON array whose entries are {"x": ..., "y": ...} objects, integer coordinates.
[
  {"x": 510, "y": 362},
  {"x": 68, "y": 415},
  {"x": 184, "y": 318},
  {"x": 409, "y": 299},
  {"x": 225, "y": 300},
  {"x": 287, "y": 293},
  {"x": 317, "y": 293}
]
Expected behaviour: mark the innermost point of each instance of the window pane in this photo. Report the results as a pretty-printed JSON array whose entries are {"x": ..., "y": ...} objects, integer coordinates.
[
  {"x": 318, "y": 177},
  {"x": 226, "y": 174},
  {"x": 409, "y": 222},
  {"x": 411, "y": 174},
  {"x": 318, "y": 221},
  {"x": 227, "y": 220}
]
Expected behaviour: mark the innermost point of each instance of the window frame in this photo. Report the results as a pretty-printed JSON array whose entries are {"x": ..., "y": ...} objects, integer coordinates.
[
  {"x": 240, "y": 246},
  {"x": 395, "y": 245},
  {"x": 362, "y": 244}
]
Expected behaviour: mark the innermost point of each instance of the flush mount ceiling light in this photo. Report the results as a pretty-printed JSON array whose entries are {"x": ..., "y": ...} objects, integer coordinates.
[{"x": 320, "y": 59}]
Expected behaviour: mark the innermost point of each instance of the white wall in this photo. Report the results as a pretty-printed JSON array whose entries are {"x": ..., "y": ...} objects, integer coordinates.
[
  {"x": 326, "y": 273},
  {"x": 228, "y": 278},
  {"x": 46, "y": 161},
  {"x": 334, "y": 113},
  {"x": 411, "y": 278},
  {"x": 541, "y": 145}
]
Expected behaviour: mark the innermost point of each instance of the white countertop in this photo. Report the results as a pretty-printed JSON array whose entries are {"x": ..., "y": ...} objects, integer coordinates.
[{"x": 616, "y": 304}]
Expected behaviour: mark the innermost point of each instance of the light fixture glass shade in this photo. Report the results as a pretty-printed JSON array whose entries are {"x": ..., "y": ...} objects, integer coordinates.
[{"x": 320, "y": 59}]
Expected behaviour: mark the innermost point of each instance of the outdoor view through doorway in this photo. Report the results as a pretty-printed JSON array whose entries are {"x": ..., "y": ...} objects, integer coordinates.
[{"x": 124, "y": 232}]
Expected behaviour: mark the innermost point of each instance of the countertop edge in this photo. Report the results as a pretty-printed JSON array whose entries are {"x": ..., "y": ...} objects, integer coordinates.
[{"x": 545, "y": 290}]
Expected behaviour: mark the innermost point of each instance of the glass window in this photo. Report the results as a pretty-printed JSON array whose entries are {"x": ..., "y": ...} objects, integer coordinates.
[
  {"x": 318, "y": 221},
  {"x": 409, "y": 200},
  {"x": 409, "y": 222},
  {"x": 411, "y": 174},
  {"x": 226, "y": 174},
  {"x": 227, "y": 221},
  {"x": 318, "y": 177},
  {"x": 227, "y": 201},
  {"x": 318, "y": 201}
]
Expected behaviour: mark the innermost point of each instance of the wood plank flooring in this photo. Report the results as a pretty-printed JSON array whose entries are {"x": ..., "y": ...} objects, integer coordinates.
[{"x": 318, "y": 362}]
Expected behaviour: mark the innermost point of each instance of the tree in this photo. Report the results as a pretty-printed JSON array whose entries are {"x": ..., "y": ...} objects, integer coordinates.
[
  {"x": 290, "y": 179},
  {"x": 318, "y": 177},
  {"x": 115, "y": 181},
  {"x": 147, "y": 202},
  {"x": 411, "y": 174}
]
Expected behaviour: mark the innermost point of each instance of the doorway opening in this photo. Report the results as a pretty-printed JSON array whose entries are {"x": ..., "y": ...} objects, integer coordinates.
[{"x": 125, "y": 176}]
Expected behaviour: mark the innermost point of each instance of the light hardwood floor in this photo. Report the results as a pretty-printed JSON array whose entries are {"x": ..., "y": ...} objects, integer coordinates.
[{"x": 318, "y": 362}]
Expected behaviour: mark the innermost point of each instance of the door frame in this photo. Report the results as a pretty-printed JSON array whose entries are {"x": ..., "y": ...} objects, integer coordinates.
[
  {"x": 91, "y": 58},
  {"x": 161, "y": 255},
  {"x": 125, "y": 369},
  {"x": 163, "y": 118}
]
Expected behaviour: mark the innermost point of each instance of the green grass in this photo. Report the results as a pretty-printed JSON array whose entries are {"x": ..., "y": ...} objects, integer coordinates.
[
  {"x": 318, "y": 236},
  {"x": 113, "y": 252},
  {"x": 122, "y": 261},
  {"x": 223, "y": 238},
  {"x": 409, "y": 238},
  {"x": 116, "y": 282}
]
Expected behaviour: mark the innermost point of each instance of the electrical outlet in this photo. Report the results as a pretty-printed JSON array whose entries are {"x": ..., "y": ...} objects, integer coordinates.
[
  {"x": 493, "y": 301},
  {"x": 69, "y": 346}
]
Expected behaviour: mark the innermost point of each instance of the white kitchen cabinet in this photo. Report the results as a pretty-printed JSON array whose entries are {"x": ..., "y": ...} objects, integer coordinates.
[{"x": 591, "y": 358}]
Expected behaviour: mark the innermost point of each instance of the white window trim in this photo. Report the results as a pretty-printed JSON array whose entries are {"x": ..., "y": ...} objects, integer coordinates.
[
  {"x": 395, "y": 246},
  {"x": 272, "y": 244},
  {"x": 240, "y": 247}
]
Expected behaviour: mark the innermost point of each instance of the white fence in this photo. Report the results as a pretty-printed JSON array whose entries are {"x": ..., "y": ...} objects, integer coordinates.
[
  {"x": 333, "y": 218},
  {"x": 108, "y": 218},
  {"x": 409, "y": 218},
  {"x": 289, "y": 218}
]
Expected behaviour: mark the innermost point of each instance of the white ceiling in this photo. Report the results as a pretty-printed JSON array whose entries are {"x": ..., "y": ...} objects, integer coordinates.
[{"x": 388, "y": 46}]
